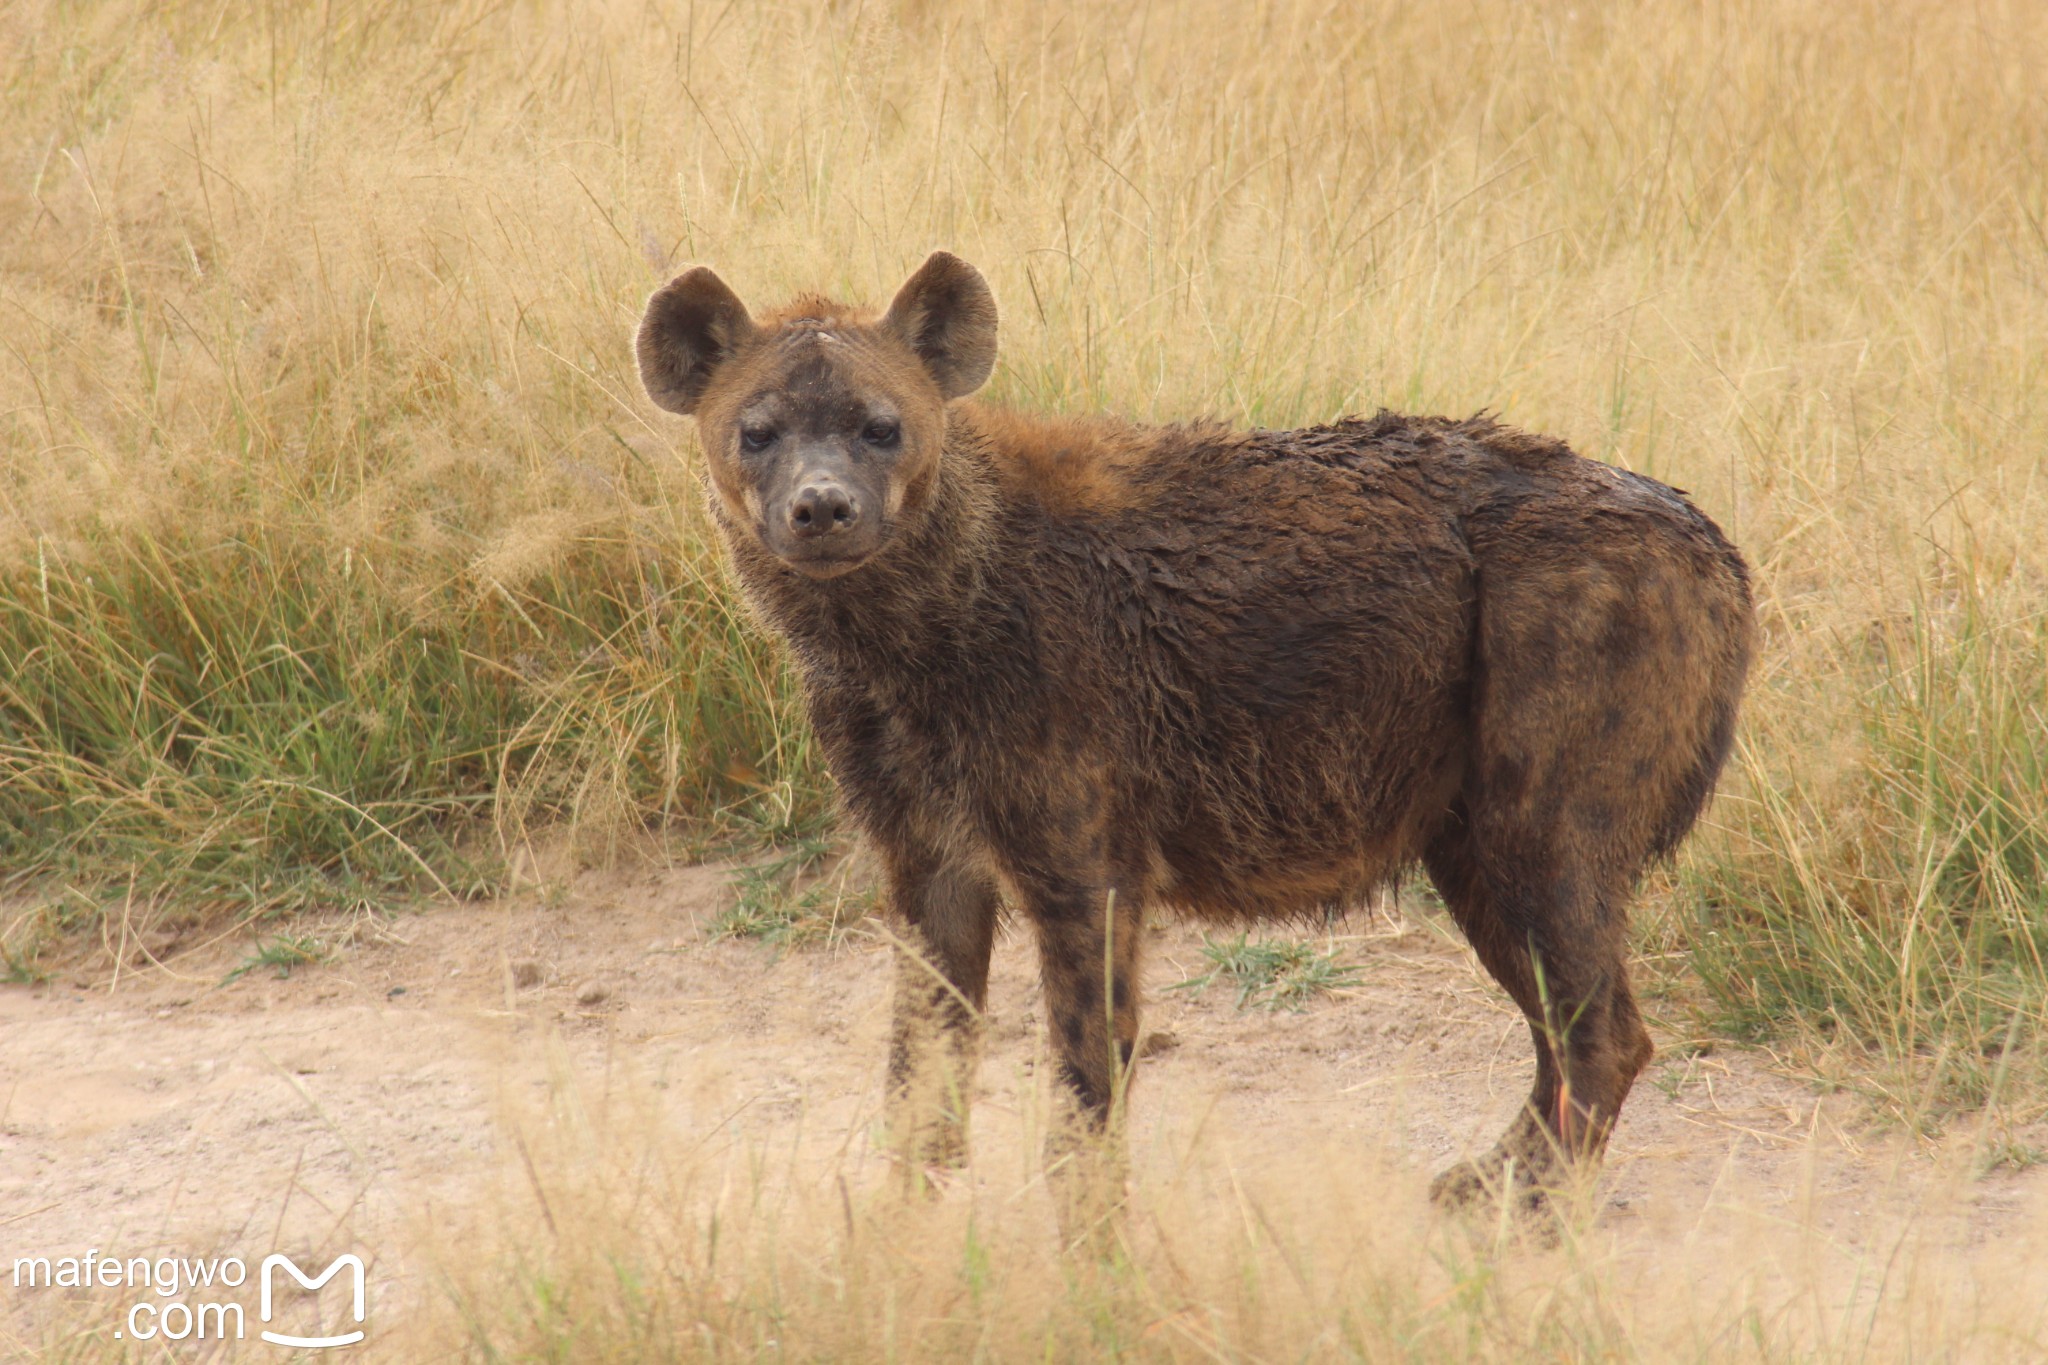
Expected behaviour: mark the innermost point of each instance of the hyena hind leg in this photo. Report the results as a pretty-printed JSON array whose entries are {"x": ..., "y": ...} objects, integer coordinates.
[{"x": 1563, "y": 962}]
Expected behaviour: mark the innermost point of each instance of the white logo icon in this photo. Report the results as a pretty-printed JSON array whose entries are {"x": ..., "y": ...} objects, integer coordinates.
[{"x": 352, "y": 1261}]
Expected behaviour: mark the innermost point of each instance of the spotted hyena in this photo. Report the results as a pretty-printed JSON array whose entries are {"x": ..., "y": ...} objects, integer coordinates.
[{"x": 1094, "y": 666}]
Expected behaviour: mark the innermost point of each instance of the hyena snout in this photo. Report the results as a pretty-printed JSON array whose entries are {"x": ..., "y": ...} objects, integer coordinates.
[
  {"x": 822, "y": 506},
  {"x": 823, "y": 517}
]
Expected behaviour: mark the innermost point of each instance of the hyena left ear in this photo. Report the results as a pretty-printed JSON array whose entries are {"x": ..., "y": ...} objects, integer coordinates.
[
  {"x": 693, "y": 325},
  {"x": 948, "y": 316}
]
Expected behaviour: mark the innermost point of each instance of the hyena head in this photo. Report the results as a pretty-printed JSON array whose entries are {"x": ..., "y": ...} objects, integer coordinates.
[{"x": 822, "y": 425}]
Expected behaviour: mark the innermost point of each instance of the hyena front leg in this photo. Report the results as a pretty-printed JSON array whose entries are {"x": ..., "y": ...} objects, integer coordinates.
[
  {"x": 946, "y": 909},
  {"x": 1088, "y": 940}
]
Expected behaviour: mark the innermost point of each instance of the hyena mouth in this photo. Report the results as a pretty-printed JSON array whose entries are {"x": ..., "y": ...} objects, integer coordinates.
[{"x": 821, "y": 566}]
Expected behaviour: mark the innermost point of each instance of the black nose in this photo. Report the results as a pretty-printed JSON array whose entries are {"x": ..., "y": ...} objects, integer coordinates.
[{"x": 819, "y": 509}]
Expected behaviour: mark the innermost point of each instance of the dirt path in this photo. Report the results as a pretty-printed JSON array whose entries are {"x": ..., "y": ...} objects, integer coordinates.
[{"x": 173, "y": 1111}]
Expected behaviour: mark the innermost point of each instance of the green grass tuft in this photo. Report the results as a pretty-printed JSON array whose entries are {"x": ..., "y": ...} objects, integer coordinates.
[
  {"x": 784, "y": 902},
  {"x": 1272, "y": 973},
  {"x": 282, "y": 953}
]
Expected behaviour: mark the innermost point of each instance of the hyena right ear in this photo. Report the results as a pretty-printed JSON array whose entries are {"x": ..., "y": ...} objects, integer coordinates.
[{"x": 693, "y": 325}]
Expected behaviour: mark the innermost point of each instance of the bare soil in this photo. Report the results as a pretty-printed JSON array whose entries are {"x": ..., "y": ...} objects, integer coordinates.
[{"x": 165, "y": 1107}]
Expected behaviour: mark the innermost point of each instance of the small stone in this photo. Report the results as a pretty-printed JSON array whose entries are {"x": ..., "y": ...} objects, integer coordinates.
[
  {"x": 153, "y": 947},
  {"x": 1153, "y": 1044},
  {"x": 593, "y": 993},
  {"x": 526, "y": 974}
]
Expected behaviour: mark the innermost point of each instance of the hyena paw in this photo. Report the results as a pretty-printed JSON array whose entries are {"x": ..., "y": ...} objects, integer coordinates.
[
  {"x": 942, "y": 1146},
  {"x": 931, "y": 1161},
  {"x": 1483, "y": 1184}
]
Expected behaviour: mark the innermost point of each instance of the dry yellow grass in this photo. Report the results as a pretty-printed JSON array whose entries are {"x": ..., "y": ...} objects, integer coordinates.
[
  {"x": 651, "y": 1248},
  {"x": 334, "y": 533}
]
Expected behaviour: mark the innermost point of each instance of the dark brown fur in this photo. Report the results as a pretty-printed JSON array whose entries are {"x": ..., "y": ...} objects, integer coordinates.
[{"x": 1246, "y": 674}]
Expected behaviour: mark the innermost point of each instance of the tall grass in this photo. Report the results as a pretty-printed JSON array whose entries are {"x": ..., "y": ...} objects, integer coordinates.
[
  {"x": 1900, "y": 905},
  {"x": 777, "y": 1248},
  {"x": 337, "y": 548},
  {"x": 631, "y": 1224}
]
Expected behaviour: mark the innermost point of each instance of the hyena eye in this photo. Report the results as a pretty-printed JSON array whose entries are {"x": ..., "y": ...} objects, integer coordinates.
[
  {"x": 757, "y": 438},
  {"x": 881, "y": 432}
]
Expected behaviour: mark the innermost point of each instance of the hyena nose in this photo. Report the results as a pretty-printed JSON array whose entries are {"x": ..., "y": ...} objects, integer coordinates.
[{"x": 821, "y": 508}]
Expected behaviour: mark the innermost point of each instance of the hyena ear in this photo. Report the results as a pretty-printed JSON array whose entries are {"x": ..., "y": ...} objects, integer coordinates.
[
  {"x": 693, "y": 325},
  {"x": 947, "y": 315}
]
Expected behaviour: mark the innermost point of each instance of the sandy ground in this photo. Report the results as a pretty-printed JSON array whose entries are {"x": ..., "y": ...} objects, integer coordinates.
[{"x": 171, "y": 1111}]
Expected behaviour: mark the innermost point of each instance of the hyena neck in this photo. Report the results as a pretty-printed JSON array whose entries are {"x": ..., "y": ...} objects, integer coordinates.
[{"x": 919, "y": 599}]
